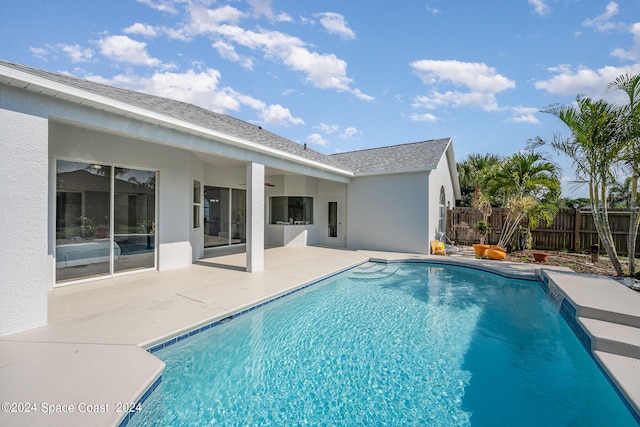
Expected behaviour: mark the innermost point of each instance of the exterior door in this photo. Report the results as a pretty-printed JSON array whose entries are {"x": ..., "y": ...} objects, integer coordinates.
[{"x": 333, "y": 232}]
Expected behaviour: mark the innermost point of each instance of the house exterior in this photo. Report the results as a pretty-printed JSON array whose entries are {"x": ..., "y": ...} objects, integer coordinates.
[{"x": 98, "y": 181}]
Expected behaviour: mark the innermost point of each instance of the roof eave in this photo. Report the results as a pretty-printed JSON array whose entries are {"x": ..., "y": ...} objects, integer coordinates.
[
  {"x": 54, "y": 89},
  {"x": 453, "y": 168},
  {"x": 394, "y": 171}
]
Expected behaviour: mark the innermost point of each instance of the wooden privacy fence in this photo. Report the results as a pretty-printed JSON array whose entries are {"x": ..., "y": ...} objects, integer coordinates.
[{"x": 572, "y": 229}]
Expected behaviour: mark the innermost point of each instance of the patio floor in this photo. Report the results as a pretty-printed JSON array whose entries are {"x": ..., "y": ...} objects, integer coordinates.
[{"x": 90, "y": 360}]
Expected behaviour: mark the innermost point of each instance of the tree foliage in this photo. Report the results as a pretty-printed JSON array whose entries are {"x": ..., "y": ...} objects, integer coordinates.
[{"x": 593, "y": 147}]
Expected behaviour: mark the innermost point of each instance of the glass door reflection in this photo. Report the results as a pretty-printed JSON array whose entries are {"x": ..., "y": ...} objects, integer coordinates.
[
  {"x": 83, "y": 245},
  {"x": 134, "y": 219}
]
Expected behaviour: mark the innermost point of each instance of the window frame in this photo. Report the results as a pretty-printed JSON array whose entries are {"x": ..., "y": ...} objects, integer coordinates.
[
  {"x": 197, "y": 205},
  {"x": 293, "y": 210}
]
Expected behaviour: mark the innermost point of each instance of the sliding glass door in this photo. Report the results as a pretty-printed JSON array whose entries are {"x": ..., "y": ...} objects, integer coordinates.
[
  {"x": 134, "y": 219},
  {"x": 105, "y": 220},
  {"x": 224, "y": 216}
]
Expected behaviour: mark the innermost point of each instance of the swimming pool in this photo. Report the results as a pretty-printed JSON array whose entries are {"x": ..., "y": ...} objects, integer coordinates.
[{"x": 396, "y": 344}]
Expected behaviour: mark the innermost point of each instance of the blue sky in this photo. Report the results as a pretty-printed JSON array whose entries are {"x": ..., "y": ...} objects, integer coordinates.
[{"x": 345, "y": 75}]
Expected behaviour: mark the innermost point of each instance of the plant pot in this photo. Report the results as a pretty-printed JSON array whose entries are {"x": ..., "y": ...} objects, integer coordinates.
[
  {"x": 498, "y": 248},
  {"x": 481, "y": 250},
  {"x": 497, "y": 253},
  {"x": 540, "y": 256}
]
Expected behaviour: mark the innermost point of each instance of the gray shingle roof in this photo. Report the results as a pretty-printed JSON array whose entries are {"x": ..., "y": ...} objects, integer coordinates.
[
  {"x": 394, "y": 158},
  {"x": 183, "y": 111},
  {"x": 417, "y": 155}
]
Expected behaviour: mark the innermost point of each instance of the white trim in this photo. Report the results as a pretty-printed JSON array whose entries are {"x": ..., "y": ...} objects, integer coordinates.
[
  {"x": 395, "y": 171},
  {"x": 79, "y": 96}
]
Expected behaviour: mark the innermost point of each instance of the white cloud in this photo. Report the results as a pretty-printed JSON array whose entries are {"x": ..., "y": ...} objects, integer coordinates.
[
  {"x": 350, "y": 133},
  {"x": 263, "y": 7},
  {"x": 277, "y": 115},
  {"x": 141, "y": 29},
  {"x": 323, "y": 71},
  {"x": 633, "y": 54},
  {"x": 360, "y": 95},
  {"x": 479, "y": 82},
  {"x": 524, "y": 115},
  {"x": 573, "y": 82},
  {"x": 40, "y": 53},
  {"x": 328, "y": 129},
  {"x": 603, "y": 22},
  {"x": 161, "y": 5},
  {"x": 317, "y": 139},
  {"x": 486, "y": 101},
  {"x": 203, "y": 20},
  {"x": 76, "y": 53},
  {"x": 540, "y": 7},
  {"x": 334, "y": 23},
  {"x": 176, "y": 33},
  {"x": 474, "y": 75},
  {"x": 434, "y": 11},
  {"x": 425, "y": 117},
  {"x": 282, "y": 17},
  {"x": 127, "y": 50},
  {"x": 227, "y": 51},
  {"x": 198, "y": 88},
  {"x": 201, "y": 88}
]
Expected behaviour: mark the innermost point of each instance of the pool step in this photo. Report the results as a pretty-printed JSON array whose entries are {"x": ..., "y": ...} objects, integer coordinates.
[
  {"x": 373, "y": 271},
  {"x": 612, "y": 337}
]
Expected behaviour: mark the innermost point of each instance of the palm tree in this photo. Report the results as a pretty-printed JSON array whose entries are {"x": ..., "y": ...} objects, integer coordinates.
[
  {"x": 529, "y": 184},
  {"x": 593, "y": 148},
  {"x": 473, "y": 174},
  {"x": 620, "y": 194},
  {"x": 630, "y": 85},
  {"x": 526, "y": 173}
]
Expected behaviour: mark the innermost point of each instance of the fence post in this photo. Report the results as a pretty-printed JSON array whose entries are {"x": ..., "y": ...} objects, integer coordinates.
[{"x": 576, "y": 230}]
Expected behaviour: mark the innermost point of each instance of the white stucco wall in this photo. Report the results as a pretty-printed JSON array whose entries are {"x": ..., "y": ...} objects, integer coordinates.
[
  {"x": 230, "y": 177},
  {"x": 389, "y": 212},
  {"x": 25, "y": 278},
  {"x": 439, "y": 178}
]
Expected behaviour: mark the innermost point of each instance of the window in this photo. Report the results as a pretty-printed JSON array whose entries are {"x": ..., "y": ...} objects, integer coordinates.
[
  {"x": 224, "y": 216},
  {"x": 442, "y": 215},
  {"x": 105, "y": 220},
  {"x": 332, "y": 219},
  {"x": 291, "y": 210},
  {"x": 196, "y": 204}
]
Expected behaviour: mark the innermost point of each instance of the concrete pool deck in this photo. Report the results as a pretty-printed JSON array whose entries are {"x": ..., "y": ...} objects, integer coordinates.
[{"x": 90, "y": 358}]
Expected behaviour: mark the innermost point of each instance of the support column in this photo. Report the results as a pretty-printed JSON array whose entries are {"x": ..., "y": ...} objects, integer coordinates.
[{"x": 255, "y": 217}]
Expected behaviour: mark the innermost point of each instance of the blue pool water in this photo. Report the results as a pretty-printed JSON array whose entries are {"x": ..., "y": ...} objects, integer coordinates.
[{"x": 403, "y": 344}]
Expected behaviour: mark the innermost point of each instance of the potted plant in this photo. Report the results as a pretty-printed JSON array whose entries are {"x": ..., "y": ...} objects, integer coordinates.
[
  {"x": 483, "y": 228},
  {"x": 481, "y": 250},
  {"x": 497, "y": 253},
  {"x": 540, "y": 256}
]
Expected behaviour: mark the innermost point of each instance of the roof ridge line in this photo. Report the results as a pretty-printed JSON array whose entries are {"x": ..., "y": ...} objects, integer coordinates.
[{"x": 392, "y": 146}]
